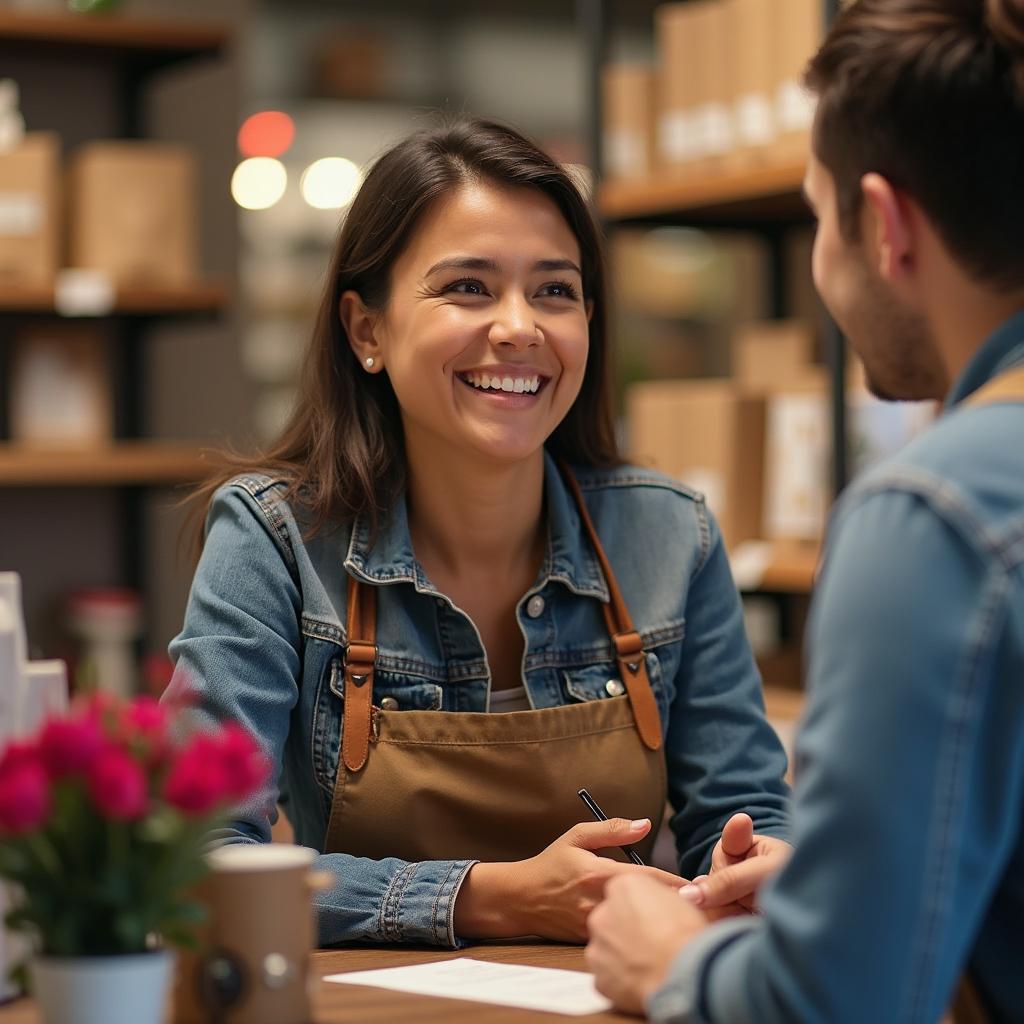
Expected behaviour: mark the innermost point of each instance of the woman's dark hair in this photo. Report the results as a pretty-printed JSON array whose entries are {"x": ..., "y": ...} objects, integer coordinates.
[
  {"x": 341, "y": 452},
  {"x": 930, "y": 94}
]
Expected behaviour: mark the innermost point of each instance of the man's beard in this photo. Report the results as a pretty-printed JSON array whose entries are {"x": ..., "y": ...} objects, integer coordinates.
[{"x": 901, "y": 362}]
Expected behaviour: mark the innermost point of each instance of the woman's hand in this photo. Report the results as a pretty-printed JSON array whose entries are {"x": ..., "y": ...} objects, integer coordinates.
[
  {"x": 740, "y": 864},
  {"x": 552, "y": 894}
]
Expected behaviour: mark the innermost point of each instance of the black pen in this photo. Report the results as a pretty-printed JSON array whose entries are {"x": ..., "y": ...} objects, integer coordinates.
[{"x": 601, "y": 816}]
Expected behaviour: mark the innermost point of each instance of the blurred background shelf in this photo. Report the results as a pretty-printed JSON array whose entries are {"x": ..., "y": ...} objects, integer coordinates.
[
  {"x": 769, "y": 193},
  {"x": 202, "y": 297},
  {"x": 152, "y": 42},
  {"x": 124, "y": 463}
]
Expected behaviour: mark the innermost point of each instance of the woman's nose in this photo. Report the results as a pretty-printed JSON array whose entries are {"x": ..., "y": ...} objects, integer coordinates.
[{"x": 514, "y": 324}]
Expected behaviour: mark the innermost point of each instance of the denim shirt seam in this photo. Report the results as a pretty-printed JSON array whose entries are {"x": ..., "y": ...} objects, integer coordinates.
[
  {"x": 271, "y": 513},
  {"x": 435, "y": 905},
  {"x": 963, "y": 711},
  {"x": 952, "y": 506},
  {"x": 392, "y": 902}
]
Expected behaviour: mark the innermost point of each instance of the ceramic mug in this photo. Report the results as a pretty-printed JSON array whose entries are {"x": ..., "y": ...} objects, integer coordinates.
[{"x": 253, "y": 961}]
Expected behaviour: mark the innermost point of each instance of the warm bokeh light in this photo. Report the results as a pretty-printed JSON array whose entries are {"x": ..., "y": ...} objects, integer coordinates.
[
  {"x": 268, "y": 133},
  {"x": 330, "y": 183},
  {"x": 258, "y": 182}
]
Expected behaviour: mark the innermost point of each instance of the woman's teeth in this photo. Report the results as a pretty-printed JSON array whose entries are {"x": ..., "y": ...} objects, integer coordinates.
[{"x": 513, "y": 385}]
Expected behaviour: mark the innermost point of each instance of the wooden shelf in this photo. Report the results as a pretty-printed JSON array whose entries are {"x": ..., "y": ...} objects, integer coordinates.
[
  {"x": 768, "y": 193},
  {"x": 151, "y": 42},
  {"x": 783, "y": 567},
  {"x": 123, "y": 462},
  {"x": 207, "y": 297}
]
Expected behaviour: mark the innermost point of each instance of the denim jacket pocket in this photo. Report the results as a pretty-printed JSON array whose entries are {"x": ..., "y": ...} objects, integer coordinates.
[
  {"x": 603, "y": 680},
  {"x": 391, "y": 692}
]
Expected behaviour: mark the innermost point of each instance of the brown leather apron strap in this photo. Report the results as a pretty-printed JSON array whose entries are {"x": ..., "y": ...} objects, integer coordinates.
[
  {"x": 360, "y": 661},
  {"x": 625, "y": 639},
  {"x": 1007, "y": 387}
]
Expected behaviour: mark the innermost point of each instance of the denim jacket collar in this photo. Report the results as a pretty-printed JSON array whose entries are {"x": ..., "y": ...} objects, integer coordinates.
[
  {"x": 1003, "y": 349},
  {"x": 568, "y": 556}
]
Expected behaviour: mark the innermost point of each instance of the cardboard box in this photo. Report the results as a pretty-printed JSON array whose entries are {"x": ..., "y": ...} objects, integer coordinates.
[
  {"x": 60, "y": 387},
  {"x": 629, "y": 117},
  {"x": 708, "y": 435},
  {"x": 133, "y": 212},
  {"x": 773, "y": 355},
  {"x": 750, "y": 31},
  {"x": 799, "y": 32},
  {"x": 677, "y": 88},
  {"x": 712, "y": 125},
  {"x": 29, "y": 211},
  {"x": 798, "y": 457}
]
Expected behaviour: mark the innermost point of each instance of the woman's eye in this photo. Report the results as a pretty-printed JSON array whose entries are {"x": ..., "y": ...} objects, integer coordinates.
[
  {"x": 560, "y": 290},
  {"x": 467, "y": 286}
]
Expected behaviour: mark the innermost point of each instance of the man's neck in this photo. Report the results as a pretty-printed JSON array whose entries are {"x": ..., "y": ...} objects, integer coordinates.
[
  {"x": 963, "y": 316},
  {"x": 468, "y": 515}
]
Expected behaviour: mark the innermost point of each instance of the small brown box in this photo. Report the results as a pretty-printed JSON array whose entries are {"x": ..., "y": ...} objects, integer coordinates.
[
  {"x": 751, "y": 27},
  {"x": 29, "y": 203},
  {"x": 677, "y": 88},
  {"x": 132, "y": 212},
  {"x": 60, "y": 390},
  {"x": 711, "y": 437},
  {"x": 628, "y": 121},
  {"x": 773, "y": 355}
]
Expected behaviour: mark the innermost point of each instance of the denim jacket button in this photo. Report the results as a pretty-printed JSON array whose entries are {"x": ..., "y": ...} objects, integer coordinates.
[
  {"x": 535, "y": 606},
  {"x": 389, "y": 704},
  {"x": 614, "y": 688}
]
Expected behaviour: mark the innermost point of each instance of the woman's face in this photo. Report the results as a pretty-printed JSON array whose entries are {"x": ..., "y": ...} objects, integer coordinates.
[{"x": 485, "y": 333}]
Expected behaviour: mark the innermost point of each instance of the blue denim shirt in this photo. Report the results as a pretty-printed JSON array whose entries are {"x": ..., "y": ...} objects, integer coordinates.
[
  {"x": 909, "y": 802},
  {"x": 265, "y": 628}
]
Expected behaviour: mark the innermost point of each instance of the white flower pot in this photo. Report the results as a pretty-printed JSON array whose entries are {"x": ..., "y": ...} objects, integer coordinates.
[{"x": 102, "y": 989}]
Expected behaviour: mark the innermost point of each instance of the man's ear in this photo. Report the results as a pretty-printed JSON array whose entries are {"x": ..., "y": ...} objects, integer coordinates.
[
  {"x": 360, "y": 326},
  {"x": 886, "y": 228}
]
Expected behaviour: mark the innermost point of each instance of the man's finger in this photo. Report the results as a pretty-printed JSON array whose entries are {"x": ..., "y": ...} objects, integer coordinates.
[
  {"x": 729, "y": 885},
  {"x": 738, "y": 835},
  {"x": 599, "y": 835}
]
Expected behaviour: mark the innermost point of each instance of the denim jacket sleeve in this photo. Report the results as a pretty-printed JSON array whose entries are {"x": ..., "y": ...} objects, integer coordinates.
[
  {"x": 238, "y": 657},
  {"x": 723, "y": 756},
  {"x": 902, "y": 828}
]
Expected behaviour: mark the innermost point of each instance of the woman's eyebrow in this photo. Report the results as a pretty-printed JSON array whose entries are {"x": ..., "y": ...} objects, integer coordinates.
[
  {"x": 463, "y": 263},
  {"x": 482, "y": 263}
]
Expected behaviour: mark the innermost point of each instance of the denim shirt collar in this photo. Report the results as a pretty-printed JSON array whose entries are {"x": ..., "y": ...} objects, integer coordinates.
[
  {"x": 568, "y": 555},
  {"x": 1003, "y": 349}
]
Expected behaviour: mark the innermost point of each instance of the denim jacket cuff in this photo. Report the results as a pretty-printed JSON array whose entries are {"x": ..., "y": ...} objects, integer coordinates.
[
  {"x": 682, "y": 998},
  {"x": 419, "y": 905}
]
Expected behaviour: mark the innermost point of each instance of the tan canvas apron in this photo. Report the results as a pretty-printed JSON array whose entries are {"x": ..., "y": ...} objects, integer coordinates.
[
  {"x": 968, "y": 1007},
  {"x": 439, "y": 785}
]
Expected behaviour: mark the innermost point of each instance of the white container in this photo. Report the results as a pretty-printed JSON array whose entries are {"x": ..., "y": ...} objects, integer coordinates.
[{"x": 102, "y": 989}]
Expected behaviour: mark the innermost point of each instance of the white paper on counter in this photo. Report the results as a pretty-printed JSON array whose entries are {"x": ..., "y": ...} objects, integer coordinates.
[{"x": 530, "y": 988}]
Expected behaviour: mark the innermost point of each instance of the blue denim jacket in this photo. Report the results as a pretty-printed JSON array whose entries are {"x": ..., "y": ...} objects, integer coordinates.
[
  {"x": 909, "y": 803},
  {"x": 265, "y": 627}
]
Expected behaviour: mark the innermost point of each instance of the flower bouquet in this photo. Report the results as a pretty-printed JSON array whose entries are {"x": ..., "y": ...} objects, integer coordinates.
[{"x": 104, "y": 817}]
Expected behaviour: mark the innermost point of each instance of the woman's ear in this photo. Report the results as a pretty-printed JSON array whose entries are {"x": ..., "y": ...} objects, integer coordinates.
[{"x": 360, "y": 326}]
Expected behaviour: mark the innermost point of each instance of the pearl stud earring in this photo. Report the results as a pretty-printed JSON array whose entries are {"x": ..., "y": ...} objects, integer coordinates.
[{"x": 369, "y": 362}]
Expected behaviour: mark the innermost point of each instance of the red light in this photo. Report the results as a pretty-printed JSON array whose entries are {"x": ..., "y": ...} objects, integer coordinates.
[{"x": 268, "y": 133}]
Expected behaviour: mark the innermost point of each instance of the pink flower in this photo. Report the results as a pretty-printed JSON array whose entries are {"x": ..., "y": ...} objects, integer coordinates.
[
  {"x": 144, "y": 722},
  {"x": 70, "y": 745},
  {"x": 117, "y": 785},
  {"x": 246, "y": 766},
  {"x": 17, "y": 752},
  {"x": 198, "y": 780},
  {"x": 24, "y": 795}
]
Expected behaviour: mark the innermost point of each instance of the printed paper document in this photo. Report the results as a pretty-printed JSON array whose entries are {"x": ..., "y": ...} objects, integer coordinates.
[{"x": 531, "y": 988}]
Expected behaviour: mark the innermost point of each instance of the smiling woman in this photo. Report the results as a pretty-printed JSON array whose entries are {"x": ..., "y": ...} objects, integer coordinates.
[{"x": 442, "y": 601}]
